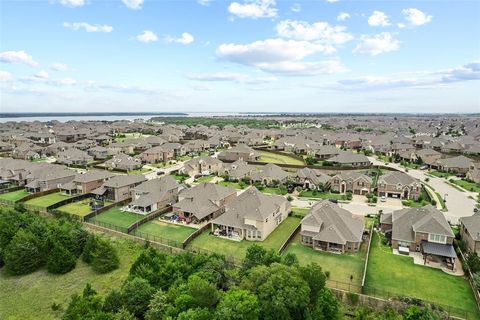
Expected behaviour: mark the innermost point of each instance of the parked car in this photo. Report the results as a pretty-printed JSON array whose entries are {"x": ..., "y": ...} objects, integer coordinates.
[
  {"x": 423, "y": 167},
  {"x": 383, "y": 199},
  {"x": 333, "y": 200},
  {"x": 460, "y": 175}
]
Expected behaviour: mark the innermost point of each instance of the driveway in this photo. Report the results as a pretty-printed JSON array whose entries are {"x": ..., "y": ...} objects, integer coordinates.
[{"x": 458, "y": 203}]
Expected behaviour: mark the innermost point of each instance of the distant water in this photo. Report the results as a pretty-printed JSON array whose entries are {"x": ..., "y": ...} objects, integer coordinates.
[{"x": 113, "y": 117}]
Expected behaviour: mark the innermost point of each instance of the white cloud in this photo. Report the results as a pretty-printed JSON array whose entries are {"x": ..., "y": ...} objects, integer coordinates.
[
  {"x": 204, "y": 2},
  {"x": 5, "y": 76},
  {"x": 377, "y": 44},
  {"x": 342, "y": 16},
  {"x": 147, "y": 36},
  {"x": 186, "y": 38},
  {"x": 296, "y": 7},
  {"x": 416, "y": 17},
  {"x": 72, "y": 3},
  {"x": 279, "y": 56},
  {"x": 321, "y": 31},
  {"x": 59, "y": 67},
  {"x": 88, "y": 27},
  {"x": 202, "y": 87},
  {"x": 14, "y": 57},
  {"x": 378, "y": 18},
  {"x": 332, "y": 1},
  {"x": 133, "y": 4},
  {"x": 230, "y": 77},
  {"x": 42, "y": 75},
  {"x": 254, "y": 9}
]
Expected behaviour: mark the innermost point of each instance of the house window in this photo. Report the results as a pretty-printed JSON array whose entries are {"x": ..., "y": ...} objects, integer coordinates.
[
  {"x": 404, "y": 244},
  {"x": 438, "y": 238},
  {"x": 259, "y": 235}
]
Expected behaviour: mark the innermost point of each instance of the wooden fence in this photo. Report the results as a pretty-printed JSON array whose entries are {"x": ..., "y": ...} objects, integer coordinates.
[
  {"x": 470, "y": 280},
  {"x": 11, "y": 189},
  {"x": 106, "y": 208},
  {"x": 68, "y": 201},
  {"x": 289, "y": 239},
  {"x": 148, "y": 218},
  {"x": 368, "y": 254},
  {"x": 196, "y": 234}
]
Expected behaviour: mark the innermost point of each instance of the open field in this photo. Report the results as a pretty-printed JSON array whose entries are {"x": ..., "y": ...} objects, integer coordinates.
[
  {"x": 48, "y": 199},
  {"x": 118, "y": 218},
  {"x": 400, "y": 276},
  {"x": 322, "y": 195},
  {"x": 165, "y": 230},
  {"x": 238, "y": 249},
  {"x": 14, "y": 196},
  {"x": 30, "y": 297},
  {"x": 270, "y": 157}
]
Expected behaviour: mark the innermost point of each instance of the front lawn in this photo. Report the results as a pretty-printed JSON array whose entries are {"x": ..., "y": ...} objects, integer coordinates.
[
  {"x": 274, "y": 190},
  {"x": 14, "y": 195},
  {"x": 116, "y": 218},
  {"x": 467, "y": 185},
  {"x": 398, "y": 275},
  {"x": 440, "y": 174},
  {"x": 164, "y": 230},
  {"x": 204, "y": 179},
  {"x": 340, "y": 266},
  {"x": 270, "y": 157},
  {"x": 30, "y": 297},
  {"x": 322, "y": 195},
  {"x": 47, "y": 200},
  {"x": 235, "y": 185},
  {"x": 238, "y": 249}
]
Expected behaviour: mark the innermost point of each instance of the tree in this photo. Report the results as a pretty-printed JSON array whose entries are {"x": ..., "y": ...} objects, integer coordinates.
[
  {"x": 89, "y": 248},
  {"x": 257, "y": 255},
  {"x": 418, "y": 313},
  {"x": 157, "y": 308},
  {"x": 88, "y": 306},
  {"x": 290, "y": 259},
  {"x": 204, "y": 293},
  {"x": 123, "y": 314},
  {"x": 238, "y": 305},
  {"x": 105, "y": 258},
  {"x": 136, "y": 294},
  {"x": 195, "y": 314},
  {"x": 22, "y": 255},
  {"x": 327, "y": 307},
  {"x": 113, "y": 301},
  {"x": 60, "y": 260},
  {"x": 315, "y": 278}
]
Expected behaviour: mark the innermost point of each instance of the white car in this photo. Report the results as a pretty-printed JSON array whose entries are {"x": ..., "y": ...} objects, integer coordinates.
[{"x": 383, "y": 199}]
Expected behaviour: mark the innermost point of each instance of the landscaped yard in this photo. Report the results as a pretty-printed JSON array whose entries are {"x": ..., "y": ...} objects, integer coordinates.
[
  {"x": 467, "y": 185},
  {"x": 238, "y": 249},
  {"x": 270, "y": 157},
  {"x": 231, "y": 184},
  {"x": 300, "y": 211},
  {"x": 80, "y": 208},
  {"x": 274, "y": 190},
  {"x": 322, "y": 195},
  {"x": 400, "y": 276},
  {"x": 14, "y": 196},
  {"x": 117, "y": 218},
  {"x": 165, "y": 230},
  {"x": 439, "y": 174},
  {"x": 340, "y": 266},
  {"x": 204, "y": 179},
  {"x": 47, "y": 200},
  {"x": 31, "y": 296}
]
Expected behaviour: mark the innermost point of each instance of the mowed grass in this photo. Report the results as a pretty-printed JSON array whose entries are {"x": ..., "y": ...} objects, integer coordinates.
[
  {"x": 165, "y": 230},
  {"x": 340, "y": 266},
  {"x": 238, "y": 249},
  {"x": 80, "y": 208},
  {"x": 270, "y": 157},
  {"x": 300, "y": 211},
  {"x": 14, "y": 196},
  {"x": 117, "y": 218},
  {"x": 30, "y": 297},
  {"x": 231, "y": 184},
  {"x": 322, "y": 195},
  {"x": 468, "y": 185},
  {"x": 48, "y": 199},
  {"x": 400, "y": 276}
]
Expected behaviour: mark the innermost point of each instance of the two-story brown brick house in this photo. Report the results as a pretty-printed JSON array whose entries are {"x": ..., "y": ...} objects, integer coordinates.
[
  {"x": 400, "y": 185},
  {"x": 470, "y": 232},
  {"x": 354, "y": 182}
]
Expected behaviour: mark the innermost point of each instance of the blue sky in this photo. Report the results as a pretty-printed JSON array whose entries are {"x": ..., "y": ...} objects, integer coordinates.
[{"x": 254, "y": 55}]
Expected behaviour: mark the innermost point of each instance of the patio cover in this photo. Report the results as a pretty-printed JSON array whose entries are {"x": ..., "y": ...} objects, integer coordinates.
[
  {"x": 99, "y": 191},
  {"x": 438, "y": 249}
]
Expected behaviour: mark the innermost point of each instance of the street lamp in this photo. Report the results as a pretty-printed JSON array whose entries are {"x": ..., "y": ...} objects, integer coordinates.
[{"x": 445, "y": 197}]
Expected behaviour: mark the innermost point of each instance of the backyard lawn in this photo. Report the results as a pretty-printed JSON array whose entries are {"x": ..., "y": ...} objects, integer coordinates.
[
  {"x": 270, "y": 157},
  {"x": 322, "y": 195},
  {"x": 14, "y": 196},
  {"x": 80, "y": 208},
  {"x": 300, "y": 211},
  {"x": 399, "y": 276},
  {"x": 231, "y": 184},
  {"x": 237, "y": 249},
  {"x": 340, "y": 266},
  {"x": 31, "y": 296},
  {"x": 47, "y": 200},
  {"x": 118, "y": 218},
  {"x": 165, "y": 230}
]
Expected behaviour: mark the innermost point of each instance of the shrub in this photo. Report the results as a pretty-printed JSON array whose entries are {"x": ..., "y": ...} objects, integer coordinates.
[
  {"x": 105, "y": 258},
  {"x": 23, "y": 255},
  {"x": 290, "y": 198},
  {"x": 60, "y": 260},
  {"x": 89, "y": 249}
]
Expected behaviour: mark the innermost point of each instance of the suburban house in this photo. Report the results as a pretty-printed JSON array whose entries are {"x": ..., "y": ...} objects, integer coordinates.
[
  {"x": 252, "y": 216},
  {"x": 118, "y": 188},
  {"x": 177, "y": 148},
  {"x": 202, "y": 166},
  {"x": 328, "y": 227},
  {"x": 238, "y": 170},
  {"x": 474, "y": 172},
  {"x": 459, "y": 164},
  {"x": 74, "y": 157},
  {"x": 310, "y": 179},
  {"x": 326, "y": 152},
  {"x": 86, "y": 182},
  {"x": 427, "y": 156},
  {"x": 98, "y": 152},
  {"x": 423, "y": 230},
  {"x": 203, "y": 202},
  {"x": 350, "y": 159},
  {"x": 470, "y": 232},
  {"x": 239, "y": 152},
  {"x": 156, "y": 154},
  {"x": 196, "y": 146},
  {"x": 268, "y": 174},
  {"x": 154, "y": 194},
  {"x": 48, "y": 177},
  {"x": 400, "y": 185},
  {"x": 27, "y": 151},
  {"x": 15, "y": 170},
  {"x": 122, "y": 161},
  {"x": 351, "y": 181}
]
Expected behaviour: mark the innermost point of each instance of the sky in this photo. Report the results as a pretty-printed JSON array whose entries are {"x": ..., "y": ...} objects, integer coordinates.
[{"x": 239, "y": 56}]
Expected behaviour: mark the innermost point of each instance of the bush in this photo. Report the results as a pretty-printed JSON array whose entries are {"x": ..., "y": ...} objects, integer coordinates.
[
  {"x": 60, "y": 260},
  {"x": 289, "y": 198},
  {"x": 23, "y": 255},
  {"x": 349, "y": 196},
  {"x": 89, "y": 249},
  {"x": 105, "y": 258}
]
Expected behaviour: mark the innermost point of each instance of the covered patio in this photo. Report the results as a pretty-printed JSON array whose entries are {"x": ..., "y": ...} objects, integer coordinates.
[{"x": 438, "y": 253}]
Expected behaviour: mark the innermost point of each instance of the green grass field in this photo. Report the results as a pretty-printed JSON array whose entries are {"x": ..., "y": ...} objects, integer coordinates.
[
  {"x": 238, "y": 249},
  {"x": 79, "y": 208},
  {"x": 439, "y": 174},
  {"x": 300, "y": 211},
  {"x": 47, "y": 200},
  {"x": 30, "y": 297},
  {"x": 14, "y": 196},
  {"x": 322, "y": 195},
  {"x": 468, "y": 185},
  {"x": 204, "y": 179},
  {"x": 118, "y": 218},
  {"x": 400, "y": 276},
  {"x": 340, "y": 266},
  {"x": 272, "y": 190},
  {"x": 270, "y": 157},
  {"x": 165, "y": 230}
]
